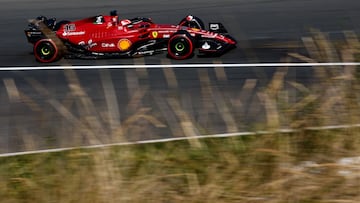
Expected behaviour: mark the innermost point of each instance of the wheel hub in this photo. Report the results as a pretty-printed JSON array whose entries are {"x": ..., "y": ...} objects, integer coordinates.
[
  {"x": 45, "y": 51},
  {"x": 179, "y": 46}
]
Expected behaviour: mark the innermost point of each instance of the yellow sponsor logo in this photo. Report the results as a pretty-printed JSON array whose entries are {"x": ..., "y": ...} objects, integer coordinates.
[
  {"x": 195, "y": 29},
  {"x": 154, "y": 34},
  {"x": 124, "y": 44}
]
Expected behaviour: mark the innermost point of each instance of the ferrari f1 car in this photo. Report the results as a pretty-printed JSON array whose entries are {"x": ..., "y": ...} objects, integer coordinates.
[{"x": 107, "y": 36}]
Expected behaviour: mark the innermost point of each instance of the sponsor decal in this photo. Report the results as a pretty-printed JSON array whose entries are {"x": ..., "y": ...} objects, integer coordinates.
[
  {"x": 209, "y": 34},
  {"x": 99, "y": 19},
  {"x": 69, "y": 27},
  {"x": 214, "y": 26},
  {"x": 125, "y": 22},
  {"x": 206, "y": 46},
  {"x": 107, "y": 45},
  {"x": 154, "y": 34},
  {"x": 195, "y": 29},
  {"x": 73, "y": 33},
  {"x": 150, "y": 52},
  {"x": 124, "y": 44},
  {"x": 166, "y": 36},
  {"x": 87, "y": 45},
  {"x": 29, "y": 34},
  {"x": 69, "y": 30}
]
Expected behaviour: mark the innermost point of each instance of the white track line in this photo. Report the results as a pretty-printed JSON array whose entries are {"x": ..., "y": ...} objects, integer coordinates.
[
  {"x": 237, "y": 134},
  {"x": 24, "y": 68}
]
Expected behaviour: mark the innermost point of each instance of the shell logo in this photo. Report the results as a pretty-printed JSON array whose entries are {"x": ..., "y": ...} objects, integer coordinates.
[{"x": 124, "y": 44}]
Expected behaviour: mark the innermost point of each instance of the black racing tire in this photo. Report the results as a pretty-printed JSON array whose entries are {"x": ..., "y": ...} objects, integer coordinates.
[
  {"x": 46, "y": 51},
  {"x": 192, "y": 22},
  {"x": 181, "y": 45}
]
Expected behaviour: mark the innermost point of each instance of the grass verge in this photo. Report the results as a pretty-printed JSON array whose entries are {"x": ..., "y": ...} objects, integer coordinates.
[{"x": 300, "y": 167}]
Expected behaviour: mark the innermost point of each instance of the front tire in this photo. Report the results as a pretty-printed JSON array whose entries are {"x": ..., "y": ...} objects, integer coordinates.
[
  {"x": 181, "y": 46},
  {"x": 46, "y": 51}
]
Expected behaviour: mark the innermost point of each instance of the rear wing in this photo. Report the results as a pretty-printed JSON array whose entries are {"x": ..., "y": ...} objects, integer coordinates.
[
  {"x": 38, "y": 30},
  {"x": 217, "y": 28}
]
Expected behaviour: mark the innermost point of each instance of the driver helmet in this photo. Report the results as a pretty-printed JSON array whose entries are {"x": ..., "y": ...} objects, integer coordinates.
[{"x": 114, "y": 17}]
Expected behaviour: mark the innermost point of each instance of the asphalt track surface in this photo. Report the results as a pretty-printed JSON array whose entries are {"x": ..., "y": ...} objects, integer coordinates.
[
  {"x": 249, "y": 21},
  {"x": 246, "y": 20}
]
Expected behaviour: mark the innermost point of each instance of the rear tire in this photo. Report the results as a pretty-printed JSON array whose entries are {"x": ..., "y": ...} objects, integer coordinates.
[
  {"x": 181, "y": 45},
  {"x": 46, "y": 51}
]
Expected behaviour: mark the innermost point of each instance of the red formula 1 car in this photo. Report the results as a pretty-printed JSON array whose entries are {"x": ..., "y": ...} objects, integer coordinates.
[{"x": 105, "y": 36}]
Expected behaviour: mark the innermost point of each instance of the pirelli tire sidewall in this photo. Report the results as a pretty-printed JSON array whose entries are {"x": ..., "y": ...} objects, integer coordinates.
[
  {"x": 46, "y": 51},
  {"x": 181, "y": 46}
]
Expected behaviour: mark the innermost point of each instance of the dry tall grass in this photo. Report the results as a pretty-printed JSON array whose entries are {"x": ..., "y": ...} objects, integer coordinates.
[{"x": 267, "y": 168}]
